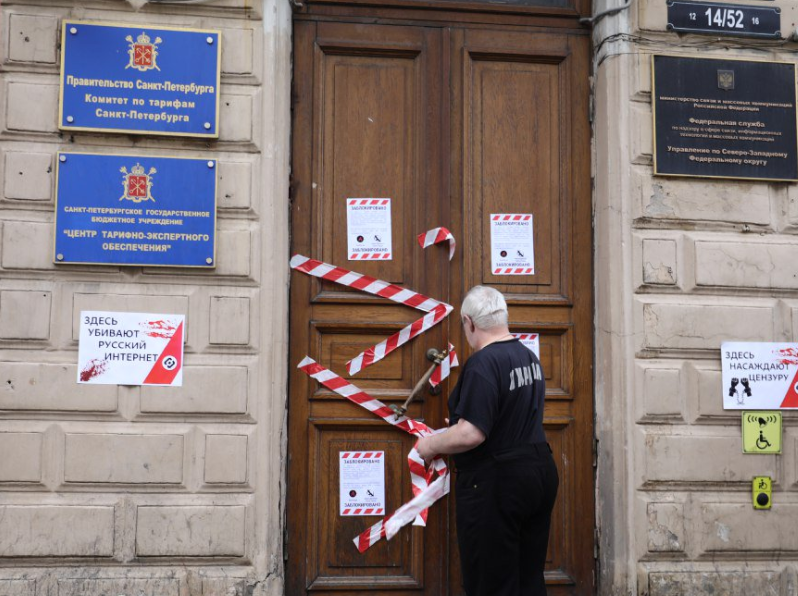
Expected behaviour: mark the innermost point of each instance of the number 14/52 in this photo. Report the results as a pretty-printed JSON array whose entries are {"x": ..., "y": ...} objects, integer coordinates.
[{"x": 725, "y": 17}]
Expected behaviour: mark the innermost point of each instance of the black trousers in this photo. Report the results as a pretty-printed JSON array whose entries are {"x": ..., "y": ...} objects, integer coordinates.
[{"x": 503, "y": 519}]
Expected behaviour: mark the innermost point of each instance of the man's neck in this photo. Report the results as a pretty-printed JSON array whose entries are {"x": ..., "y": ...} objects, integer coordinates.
[{"x": 486, "y": 337}]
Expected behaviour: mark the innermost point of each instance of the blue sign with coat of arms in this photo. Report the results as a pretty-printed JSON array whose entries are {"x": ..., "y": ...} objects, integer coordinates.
[
  {"x": 140, "y": 80},
  {"x": 135, "y": 210}
]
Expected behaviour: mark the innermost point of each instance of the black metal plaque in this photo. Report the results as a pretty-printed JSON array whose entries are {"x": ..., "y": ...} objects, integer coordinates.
[
  {"x": 724, "y": 19},
  {"x": 724, "y": 118}
]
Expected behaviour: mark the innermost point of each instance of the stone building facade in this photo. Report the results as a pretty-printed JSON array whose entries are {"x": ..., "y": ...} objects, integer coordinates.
[
  {"x": 114, "y": 489},
  {"x": 117, "y": 489}
]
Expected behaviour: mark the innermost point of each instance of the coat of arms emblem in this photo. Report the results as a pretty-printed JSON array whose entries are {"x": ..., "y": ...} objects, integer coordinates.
[
  {"x": 143, "y": 52},
  {"x": 726, "y": 80},
  {"x": 137, "y": 184}
]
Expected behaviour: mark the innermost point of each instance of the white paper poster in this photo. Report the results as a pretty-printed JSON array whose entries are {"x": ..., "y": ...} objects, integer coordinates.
[
  {"x": 512, "y": 244},
  {"x": 759, "y": 376},
  {"x": 124, "y": 348},
  {"x": 362, "y": 485},
  {"x": 531, "y": 341},
  {"x": 368, "y": 229}
]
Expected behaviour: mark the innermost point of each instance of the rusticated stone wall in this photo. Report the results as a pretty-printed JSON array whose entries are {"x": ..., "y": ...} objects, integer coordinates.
[
  {"x": 683, "y": 264},
  {"x": 145, "y": 490}
]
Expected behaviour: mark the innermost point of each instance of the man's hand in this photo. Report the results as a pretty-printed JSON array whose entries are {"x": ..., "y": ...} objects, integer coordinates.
[
  {"x": 461, "y": 437},
  {"x": 425, "y": 449}
]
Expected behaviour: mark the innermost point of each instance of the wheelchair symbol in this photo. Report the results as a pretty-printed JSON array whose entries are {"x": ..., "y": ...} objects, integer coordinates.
[
  {"x": 762, "y": 442},
  {"x": 170, "y": 363}
]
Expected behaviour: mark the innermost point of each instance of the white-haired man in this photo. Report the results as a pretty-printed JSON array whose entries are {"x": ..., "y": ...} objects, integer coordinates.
[{"x": 506, "y": 477}]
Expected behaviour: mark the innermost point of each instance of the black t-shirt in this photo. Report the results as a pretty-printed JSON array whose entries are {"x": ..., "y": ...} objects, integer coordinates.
[{"x": 501, "y": 392}]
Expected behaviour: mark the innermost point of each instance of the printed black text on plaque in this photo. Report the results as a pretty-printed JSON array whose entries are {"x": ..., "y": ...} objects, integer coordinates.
[{"x": 724, "y": 118}]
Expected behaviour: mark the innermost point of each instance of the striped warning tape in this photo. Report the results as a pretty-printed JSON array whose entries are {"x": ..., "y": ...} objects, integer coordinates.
[
  {"x": 436, "y": 310},
  {"x": 421, "y": 477},
  {"x": 436, "y": 235},
  {"x": 445, "y": 367}
]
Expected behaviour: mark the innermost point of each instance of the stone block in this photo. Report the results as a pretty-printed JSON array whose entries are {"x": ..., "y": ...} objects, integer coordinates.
[
  {"x": 225, "y": 459},
  {"x": 28, "y": 176},
  {"x": 32, "y": 38},
  {"x": 641, "y": 132},
  {"x": 51, "y": 387},
  {"x": 17, "y": 587},
  {"x": 700, "y": 458},
  {"x": 56, "y": 531},
  {"x": 190, "y": 531},
  {"x": 25, "y": 314},
  {"x": 704, "y": 325},
  {"x": 697, "y": 200},
  {"x": 176, "y": 304},
  {"x": 235, "y": 185},
  {"x": 119, "y": 587},
  {"x": 729, "y": 527},
  {"x": 662, "y": 390},
  {"x": 31, "y": 107},
  {"x": 659, "y": 261},
  {"x": 27, "y": 245},
  {"x": 642, "y": 75},
  {"x": 21, "y": 459},
  {"x": 713, "y": 583},
  {"x": 230, "y": 321},
  {"x": 205, "y": 390},
  {"x": 233, "y": 253},
  {"x": 652, "y": 15},
  {"x": 746, "y": 264},
  {"x": 709, "y": 391},
  {"x": 223, "y": 586},
  {"x": 123, "y": 459},
  {"x": 235, "y": 116},
  {"x": 665, "y": 527},
  {"x": 238, "y": 49}
]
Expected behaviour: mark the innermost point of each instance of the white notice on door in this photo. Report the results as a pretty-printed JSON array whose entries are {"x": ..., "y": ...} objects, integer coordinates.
[
  {"x": 531, "y": 341},
  {"x": 512, "y": 244},
  {"x": 368, "y": 229},
  {"x": 362, "y": 485}
]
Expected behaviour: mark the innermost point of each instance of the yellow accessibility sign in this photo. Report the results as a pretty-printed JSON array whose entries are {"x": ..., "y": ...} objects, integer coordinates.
[{"x": 762, "y": 432}]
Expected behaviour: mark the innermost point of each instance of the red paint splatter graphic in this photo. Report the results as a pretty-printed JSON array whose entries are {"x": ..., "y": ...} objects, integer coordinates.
[
  {"x": 789, "y": 356},
  {"x": 94, "y": 368},
  {"x": 162, "y": 329}
]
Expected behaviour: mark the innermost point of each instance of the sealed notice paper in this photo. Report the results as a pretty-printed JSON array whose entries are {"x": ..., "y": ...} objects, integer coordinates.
[
  {"x": 531, "y": 341},
  {"x": 759, "y": 376},
  {"x": 362, "y": 485},
  {"x": 512, "y": 244},
  {"x": 124, "y": 348},
  {"x": 368, "y": 229}
]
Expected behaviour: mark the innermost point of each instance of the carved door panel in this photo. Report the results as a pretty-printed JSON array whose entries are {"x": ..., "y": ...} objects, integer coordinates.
[{"x": 452, "y": 124}]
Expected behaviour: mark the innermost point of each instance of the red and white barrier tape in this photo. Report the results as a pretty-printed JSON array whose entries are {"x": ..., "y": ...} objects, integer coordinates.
[
  {"x": 436, "y": 235},
  {"x": 445, "y": 367},
  {"x": 390, "y": 525},
  {"x": 346, "y": 389},
  {"x": 436, "y": 310},
  {"x": 425, "y": 490},
  {"x": 421, "y": 477}
]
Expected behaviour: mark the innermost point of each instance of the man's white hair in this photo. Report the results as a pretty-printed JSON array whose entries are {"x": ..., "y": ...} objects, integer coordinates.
[{"x": 485, "y": 307}]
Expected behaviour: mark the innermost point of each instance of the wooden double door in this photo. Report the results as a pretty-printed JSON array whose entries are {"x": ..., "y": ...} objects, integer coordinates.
[{"x": 453, "y": 124}]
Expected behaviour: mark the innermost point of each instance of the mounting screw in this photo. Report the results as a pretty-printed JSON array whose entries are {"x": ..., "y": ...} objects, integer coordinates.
[
  {"x": 59, "y": 257},
  {"x": 70, "y": 119},
  {"x": 209, "y": 39},
  {"x": 62, "y": 158},
  {"x": 209, "y": 260},
  {"x": 207, "y": 126},
  {"x": 73, "y": 30},
  {"x": 211, "y": 164}
]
